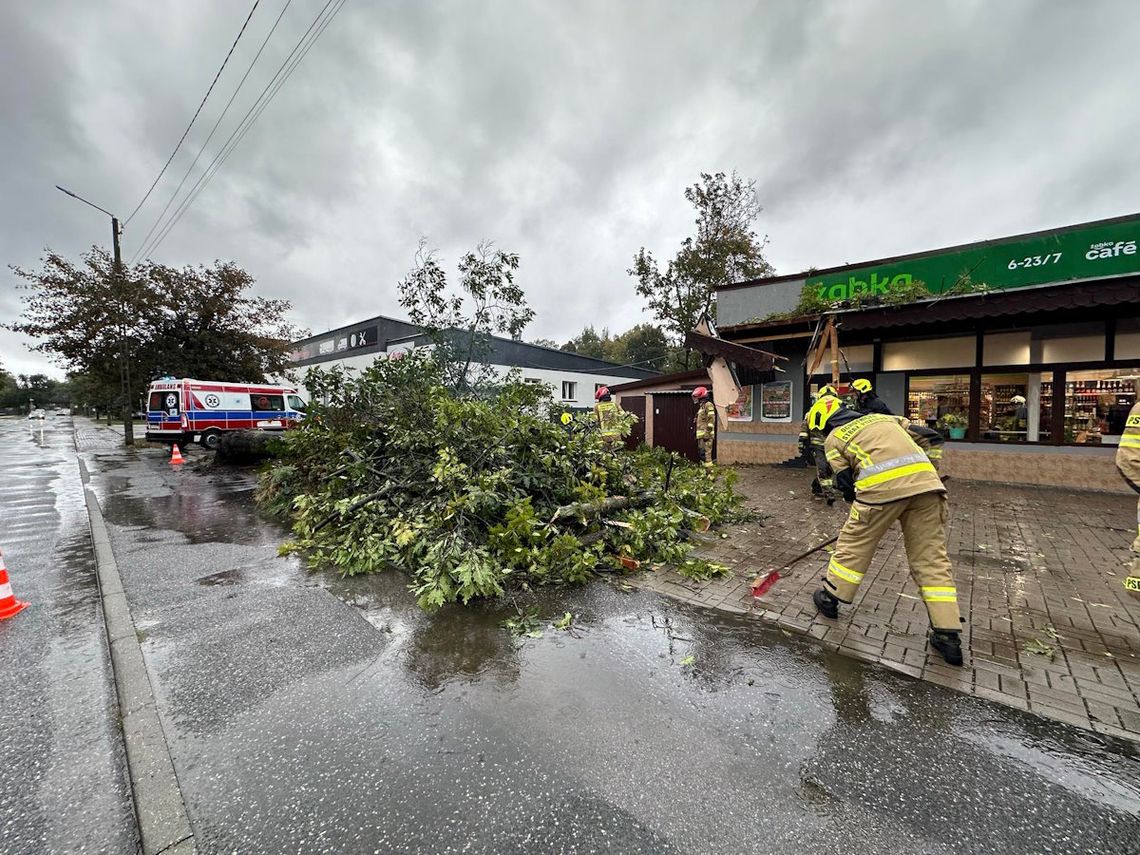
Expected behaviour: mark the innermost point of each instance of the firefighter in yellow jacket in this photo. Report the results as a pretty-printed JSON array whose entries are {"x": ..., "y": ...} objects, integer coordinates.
[
  {"x": 881, "y": 467},
  {"x": 811, "y": 450},
  {"x": 705, "y": 424},
  {"x": 1128, "y": 462},
  {"x": 609, "y": 419}
]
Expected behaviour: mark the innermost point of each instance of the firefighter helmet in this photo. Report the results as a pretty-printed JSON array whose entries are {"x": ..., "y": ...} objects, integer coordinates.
[
  {"x": 822, "y": 410},
  {"x": 566, "y": 418},
  {"x": 826, "y": 391},
  {"x": 862, "y": 386},
  {"x": 601, "y": 392},
  {"x": 700, "y": 393}
]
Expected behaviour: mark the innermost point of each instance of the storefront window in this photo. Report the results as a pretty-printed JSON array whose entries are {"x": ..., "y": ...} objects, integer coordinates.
[
  {"x": 942, "y": 403},
  {"x": 1097, "y": 404},
  {"x": 1004, "y": 415}
]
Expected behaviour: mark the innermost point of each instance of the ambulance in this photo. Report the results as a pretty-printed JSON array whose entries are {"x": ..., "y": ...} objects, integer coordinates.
[{"x": 183, "y": 411}]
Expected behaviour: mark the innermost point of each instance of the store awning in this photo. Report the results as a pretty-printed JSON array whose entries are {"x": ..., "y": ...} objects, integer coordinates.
[{"x": 992, "y": 304}]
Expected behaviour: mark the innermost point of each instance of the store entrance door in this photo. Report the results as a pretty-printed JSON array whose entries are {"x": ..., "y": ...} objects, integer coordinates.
[{"x": 673, "y": 416}]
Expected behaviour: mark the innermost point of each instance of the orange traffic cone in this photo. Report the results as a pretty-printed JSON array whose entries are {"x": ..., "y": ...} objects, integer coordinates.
[
  {"x": 9, "y": 605},
  {"x": 176, "y": 456}
]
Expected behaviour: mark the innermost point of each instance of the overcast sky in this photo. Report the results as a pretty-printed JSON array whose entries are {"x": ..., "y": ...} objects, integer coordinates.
[{"x": 564, "y": 131}]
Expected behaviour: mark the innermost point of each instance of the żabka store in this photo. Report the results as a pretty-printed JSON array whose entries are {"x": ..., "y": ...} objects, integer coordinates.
[{"x": 1027, "y": 345}]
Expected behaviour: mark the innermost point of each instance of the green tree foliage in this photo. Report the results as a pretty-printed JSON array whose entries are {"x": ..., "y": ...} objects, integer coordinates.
[
  {"x": 390, "y": 469},
  {"x": 487, "y": 302},
  {"x": 210, "y": 326},
  {"x": 590, "y": 343},
  {"x": 725, "y": 249},
  {"x": 188, "y": 322},
  {"x": 15, "y": 392},
  {"x": 644, "y": 345}
]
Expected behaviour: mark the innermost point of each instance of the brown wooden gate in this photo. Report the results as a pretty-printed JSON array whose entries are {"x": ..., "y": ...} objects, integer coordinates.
[
  {"x": 635, "y": 404},
  {"x": 673, "y": 416}
]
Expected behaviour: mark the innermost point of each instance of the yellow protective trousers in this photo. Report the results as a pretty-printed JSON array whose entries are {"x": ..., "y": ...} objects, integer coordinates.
[
  {"x": 705, "y": 451},
  {"x": 923, "y": 521},
  {"x": 1135, "y": 571}
]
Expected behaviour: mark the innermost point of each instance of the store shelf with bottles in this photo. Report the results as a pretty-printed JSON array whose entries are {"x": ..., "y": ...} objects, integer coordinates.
[{"x": 929, "y": 406}]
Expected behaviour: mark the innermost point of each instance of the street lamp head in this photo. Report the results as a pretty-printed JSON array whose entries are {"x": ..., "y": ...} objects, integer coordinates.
[{"x": 84, "y": 201}]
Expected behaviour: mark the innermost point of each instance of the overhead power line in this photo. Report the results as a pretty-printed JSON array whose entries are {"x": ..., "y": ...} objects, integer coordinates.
[
  {"x": 300, "y": 50},
  {"x": 213, "y": 130},
  {"x": 181, "y": 140}
]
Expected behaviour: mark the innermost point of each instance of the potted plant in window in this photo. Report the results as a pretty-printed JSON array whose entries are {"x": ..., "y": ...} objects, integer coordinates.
[{"x": 954, "y": 424}]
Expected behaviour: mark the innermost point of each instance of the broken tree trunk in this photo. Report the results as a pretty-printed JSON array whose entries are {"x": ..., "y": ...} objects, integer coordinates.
[
  {"x": 247, "y": 446},
  {"x": 590, "y": 510}
]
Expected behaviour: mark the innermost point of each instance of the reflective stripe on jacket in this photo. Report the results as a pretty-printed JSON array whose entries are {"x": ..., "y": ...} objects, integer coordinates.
[
  {"x": 1128, "y": 453},
  {"x": 706, "y": 421},
  {"x": 886, "y": 462}
]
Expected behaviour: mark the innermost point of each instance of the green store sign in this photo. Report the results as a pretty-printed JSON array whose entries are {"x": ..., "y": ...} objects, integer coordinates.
[{"x": 1107, "y": 248}]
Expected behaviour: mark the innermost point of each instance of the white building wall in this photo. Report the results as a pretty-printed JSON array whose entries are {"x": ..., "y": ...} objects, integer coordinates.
[{"x": 582, "y": 392}]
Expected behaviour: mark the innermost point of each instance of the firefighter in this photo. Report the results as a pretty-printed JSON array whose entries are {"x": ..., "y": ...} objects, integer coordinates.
[
  {"x": 609, "y": 419},
  {"x": 705, "y": 424},
  {"x": 880, "y": 467},
  {"x": 1128, "y": 462},
  {"x": 811, "y": 450},
  {"x": 866, "y": 401}
]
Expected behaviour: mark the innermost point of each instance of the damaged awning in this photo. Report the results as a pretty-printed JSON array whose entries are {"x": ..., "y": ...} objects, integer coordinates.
[{"x": 751, "y": 366}]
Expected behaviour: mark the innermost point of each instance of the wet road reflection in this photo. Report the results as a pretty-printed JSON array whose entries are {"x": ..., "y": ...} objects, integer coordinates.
[{"x": 321, "y": 714}]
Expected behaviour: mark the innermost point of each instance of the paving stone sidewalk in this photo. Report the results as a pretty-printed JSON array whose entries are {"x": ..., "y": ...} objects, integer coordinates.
[{"x": 1031, "y": 564}]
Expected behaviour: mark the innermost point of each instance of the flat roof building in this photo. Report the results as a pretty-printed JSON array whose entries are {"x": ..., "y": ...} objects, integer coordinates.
[
  {"x": 1024, "y": 351},
  {"x": 572, "y": 377}
]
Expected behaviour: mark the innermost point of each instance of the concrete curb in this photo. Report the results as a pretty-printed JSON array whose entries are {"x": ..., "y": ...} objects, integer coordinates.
[{"x": 161, "y": 810}]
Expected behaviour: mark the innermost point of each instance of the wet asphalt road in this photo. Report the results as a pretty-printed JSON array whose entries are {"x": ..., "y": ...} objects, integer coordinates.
[
  {"x": 313, "y": 714},
  {"x": 63, "y": 784}
]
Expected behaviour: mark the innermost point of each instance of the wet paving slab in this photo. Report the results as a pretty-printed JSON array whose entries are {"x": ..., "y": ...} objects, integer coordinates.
[
  {"x": 63, "y": 783},
  {"x": 314, "y": 713}
]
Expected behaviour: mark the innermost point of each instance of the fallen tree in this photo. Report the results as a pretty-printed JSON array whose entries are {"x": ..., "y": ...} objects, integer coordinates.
[
  {"x": 247, "y": 446},
  {"x": 478, "y": 494}
]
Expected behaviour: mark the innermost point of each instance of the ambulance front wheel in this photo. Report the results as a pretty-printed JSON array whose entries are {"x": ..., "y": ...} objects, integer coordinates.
[{"x": 210, "y": 439}]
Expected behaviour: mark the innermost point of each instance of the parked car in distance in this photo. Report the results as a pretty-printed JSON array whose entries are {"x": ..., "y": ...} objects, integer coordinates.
[{"x": 36, "y": 414}]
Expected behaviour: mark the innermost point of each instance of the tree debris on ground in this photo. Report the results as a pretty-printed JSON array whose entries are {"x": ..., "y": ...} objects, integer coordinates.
[
  {"x": 1036, "y": 645},
  {"x": 476, "y": 495}
]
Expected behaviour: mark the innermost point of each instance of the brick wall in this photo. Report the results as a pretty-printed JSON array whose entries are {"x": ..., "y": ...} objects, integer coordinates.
[
  {"x": 1074, "y": 471},
  {"x": 745, "y": 451},
  {"x": 1052, "y": 468}
]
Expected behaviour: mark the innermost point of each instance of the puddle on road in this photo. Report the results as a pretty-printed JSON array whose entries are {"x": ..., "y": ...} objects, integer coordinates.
[
  {"x": 225, "y": 577},
  {"x": 984, "y": 561}
]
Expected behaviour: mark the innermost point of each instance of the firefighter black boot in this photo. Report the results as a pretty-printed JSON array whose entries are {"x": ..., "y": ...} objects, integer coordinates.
[
  {"x": 827, "y": 604},
  {"x": 949, "y": 644}
]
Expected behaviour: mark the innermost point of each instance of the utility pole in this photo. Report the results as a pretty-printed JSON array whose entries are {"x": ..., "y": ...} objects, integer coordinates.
[
  {"x": 124, "y": 361},
  {"x": 121, "y": 293}
]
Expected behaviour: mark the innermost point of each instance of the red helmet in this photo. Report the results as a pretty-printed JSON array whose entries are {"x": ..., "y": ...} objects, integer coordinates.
[
  {"x": 700, "y": 392},
  {"x": 602, "y": 392}
]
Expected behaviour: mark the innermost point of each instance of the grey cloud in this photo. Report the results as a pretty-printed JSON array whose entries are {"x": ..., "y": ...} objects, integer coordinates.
[{"x": 565, "y": 132}]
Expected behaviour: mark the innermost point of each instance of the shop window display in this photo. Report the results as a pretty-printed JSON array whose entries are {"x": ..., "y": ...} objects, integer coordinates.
[
  {"x": 1097, "y": 404},
  {"x": 942, "y": 403},
  {"x": 1004, "y": 415}
]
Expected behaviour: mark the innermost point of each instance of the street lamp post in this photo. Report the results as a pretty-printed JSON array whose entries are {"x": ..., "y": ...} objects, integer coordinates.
[{"x": 120, "y": 288}]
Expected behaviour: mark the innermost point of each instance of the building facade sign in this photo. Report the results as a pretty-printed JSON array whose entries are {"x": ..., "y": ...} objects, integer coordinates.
[
  {"x": 1082, "y": 252},
  {"x": 342, "y": 343}
]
